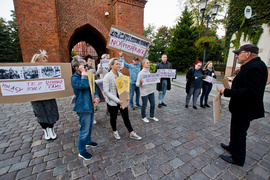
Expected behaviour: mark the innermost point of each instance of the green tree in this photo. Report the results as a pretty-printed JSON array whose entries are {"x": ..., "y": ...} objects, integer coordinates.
[
  {"x": 13, "y": 30},
  {"x": 6, "y": 45},
  {"x": 161, "y": 42},
  {"x": 9, "y": 41},
  {"x": 182, "y": 52}
]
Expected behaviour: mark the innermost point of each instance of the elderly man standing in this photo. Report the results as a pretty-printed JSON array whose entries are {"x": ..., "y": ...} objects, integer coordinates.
[{"x": 246, "y": 101}]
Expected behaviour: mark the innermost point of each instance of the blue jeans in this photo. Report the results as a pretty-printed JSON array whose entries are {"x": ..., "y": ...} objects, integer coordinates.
[
  {"x": 205, "y": 93},
  {"x": 195, "y": 92},
  {"x": 162, "y": 93},
  {"x": 151, "y": 98},
  {"x": 86, "y": 121},
  {"x": 132, "y": 89}
]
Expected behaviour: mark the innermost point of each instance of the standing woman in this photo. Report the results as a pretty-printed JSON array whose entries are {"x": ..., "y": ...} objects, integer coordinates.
[
  {"x": 147, "y": 92},
  {"x": 194, "y": 83},
  {"x": 208, "y": 70},
  {"x": 46, "y": 111},
  {"x": 113, "y": 101}
]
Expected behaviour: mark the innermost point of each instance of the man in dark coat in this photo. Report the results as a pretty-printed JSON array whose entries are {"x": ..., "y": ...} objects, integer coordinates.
[
  {"x": 165, "y": 83},
  {"x": 246, "y": 101}
]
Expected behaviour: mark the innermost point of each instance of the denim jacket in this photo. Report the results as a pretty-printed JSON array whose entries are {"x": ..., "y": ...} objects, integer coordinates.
[
  {"x": 133, "y": 69},
  {"x": 81, "y": 89}
]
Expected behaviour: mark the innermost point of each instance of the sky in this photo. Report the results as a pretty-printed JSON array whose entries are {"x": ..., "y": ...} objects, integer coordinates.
[{"x": 156, "y": 12}]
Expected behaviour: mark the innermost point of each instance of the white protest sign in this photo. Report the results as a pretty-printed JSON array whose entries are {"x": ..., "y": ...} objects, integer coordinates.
[
  {"x": 99, "y": 82},
  {"x": 210, "y": 79},
  {"x": 166, "y": 73},
  {"x": 151, "y": 78},
  {"x": 105, "y": 63},
  {"x": 129, "y": 42},
  {"x": 31, "y": 87}
]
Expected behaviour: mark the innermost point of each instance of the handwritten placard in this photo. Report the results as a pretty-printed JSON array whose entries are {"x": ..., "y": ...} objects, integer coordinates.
[
  {"x": 105, "y": 63},
  {"x": 129, "y": 42},
  {"x": 31, "y": 87},
  {"x": 151, "y": 78},
  {"x": 166, "y": 73},
  {"x": 122, "y": 84}
]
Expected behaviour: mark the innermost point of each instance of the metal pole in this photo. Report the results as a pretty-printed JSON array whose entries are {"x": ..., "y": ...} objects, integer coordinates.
[{"x": 204, "y": 52}]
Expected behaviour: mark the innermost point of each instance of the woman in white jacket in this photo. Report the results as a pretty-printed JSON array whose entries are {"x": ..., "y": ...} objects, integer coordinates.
[
  {"x": 147, "y": 92},
  {"x": 113, "y": 101}
]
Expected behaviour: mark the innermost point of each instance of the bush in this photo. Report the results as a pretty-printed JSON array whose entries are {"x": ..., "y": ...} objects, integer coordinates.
[
  {"x": 152, "y": 68},
  {"x": 220, "y": 67}
]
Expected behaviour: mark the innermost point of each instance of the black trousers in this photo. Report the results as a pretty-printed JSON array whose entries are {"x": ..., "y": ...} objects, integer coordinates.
[
  {"x": 45, "y": 125},
  {"x": 238, "y": 134},
  {"x": 113, "y": 110}
]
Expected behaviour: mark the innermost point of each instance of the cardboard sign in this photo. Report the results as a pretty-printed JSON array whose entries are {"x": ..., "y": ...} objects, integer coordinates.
[
  {"x": 210, "y": 79},
  {"x": 34, "y": 81},
  {"x": 122, "y": 84},
  {"x": 166, "y": 73},
  {"x": 226, "y": 83},
  {"x": 217, "y": 106},
  {"x": 151, "y": 78},
  {"x": 127, "y": 41},
  {"x": 31, "y": 87}
]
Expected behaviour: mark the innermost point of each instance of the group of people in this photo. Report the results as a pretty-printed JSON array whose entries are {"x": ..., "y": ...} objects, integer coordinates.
[
  {"x": 246, "y": 94},
  {"x": 196, "y": 81}
]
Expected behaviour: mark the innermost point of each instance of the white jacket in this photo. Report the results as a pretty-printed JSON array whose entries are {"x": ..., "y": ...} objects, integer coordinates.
[
  {"x": 110, "y": 89},
  {"x": 145, "y": 89}
]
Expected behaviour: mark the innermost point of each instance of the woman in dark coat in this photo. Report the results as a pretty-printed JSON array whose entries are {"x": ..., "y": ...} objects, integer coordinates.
[
  {"x": 46, "y": 111},
  {"x": 208, "y": 70},
  {"x": 194, "y": 83}
]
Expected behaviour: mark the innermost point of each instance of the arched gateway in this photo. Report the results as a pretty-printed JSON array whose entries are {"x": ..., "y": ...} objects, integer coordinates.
[{"x": 58, "y": 25}]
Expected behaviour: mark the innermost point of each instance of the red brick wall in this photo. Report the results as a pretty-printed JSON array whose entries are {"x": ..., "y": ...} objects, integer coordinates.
[{"x": 52, "y": 25}]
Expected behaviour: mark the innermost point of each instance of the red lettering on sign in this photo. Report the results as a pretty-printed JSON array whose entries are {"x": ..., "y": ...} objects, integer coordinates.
[{"x": 115, "y": 43}]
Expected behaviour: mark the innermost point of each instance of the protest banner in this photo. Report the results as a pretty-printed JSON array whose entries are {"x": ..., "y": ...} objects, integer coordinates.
[
  {"x": 151, "y": 78},
  {"x": 127, "y": 41},
  {"x": 166, "y": 73},
  {"x": 217, "y": 106},
  {"x": 25, "y": 82},
  {"x": 210, "y": 79},
  {"x": 122, "y": 84}
]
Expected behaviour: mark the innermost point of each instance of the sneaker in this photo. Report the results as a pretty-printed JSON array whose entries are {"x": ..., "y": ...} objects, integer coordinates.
[
  {"x": 135, "y": 136},
  {"x": 202, "y": 106},
  {"x": 51, "y": 133},
  {"x": 94, "y": 122},
  {"x": 145, "y": 120},
  {"x": 186, "y": 106},
  {"x": 154, "y": 118},
  {"x": 132, "y": 107},
  {"x": 93, "y": 144},
  {"x": 138, "y": 105},
  {"x": 163, "y": 104},
  {"x": 206, "y": 105},
  {"x": 159, "y": 106},
  {"x": 116, "y": 135},
  {"x": 46, "y": 134},
  {"x": 85, "y": 156}
]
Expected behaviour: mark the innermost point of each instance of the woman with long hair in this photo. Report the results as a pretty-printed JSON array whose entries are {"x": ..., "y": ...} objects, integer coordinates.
[{"x": 208, "y": 70}]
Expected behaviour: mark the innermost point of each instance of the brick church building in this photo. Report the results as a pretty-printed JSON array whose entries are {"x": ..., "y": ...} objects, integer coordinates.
[{"x": 58, "y": 25}]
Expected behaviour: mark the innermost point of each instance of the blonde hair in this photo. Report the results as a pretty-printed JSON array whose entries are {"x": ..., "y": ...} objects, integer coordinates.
[
  {"x": 76, "y": 61},
  {"x": 143, "y": 62},
  {"x": 38, "y": 56},
  {"x": 205, "y": 67},
  {"x": 105, "y": 56},
  {"x": 112, "y": 62}
]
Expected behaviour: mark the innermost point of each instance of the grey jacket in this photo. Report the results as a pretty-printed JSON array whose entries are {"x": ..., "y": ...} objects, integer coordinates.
[{"x": 110, "y": 89}]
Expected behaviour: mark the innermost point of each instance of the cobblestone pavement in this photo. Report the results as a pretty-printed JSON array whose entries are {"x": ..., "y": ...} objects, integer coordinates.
[{"x": 184, "y": 144}]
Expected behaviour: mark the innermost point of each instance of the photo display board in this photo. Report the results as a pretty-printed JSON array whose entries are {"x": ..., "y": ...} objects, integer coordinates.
[{"x": 25, "y": 82}]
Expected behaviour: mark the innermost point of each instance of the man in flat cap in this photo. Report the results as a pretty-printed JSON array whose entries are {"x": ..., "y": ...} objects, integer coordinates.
[{"x": 246, "y": 101}]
